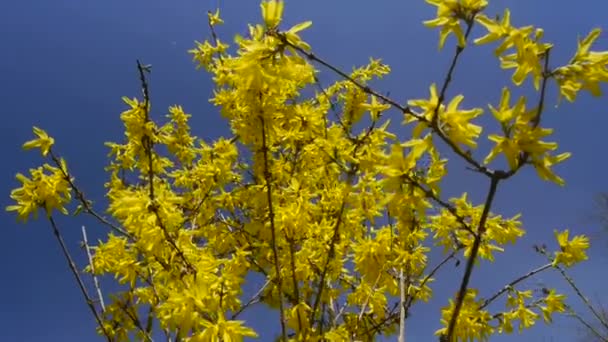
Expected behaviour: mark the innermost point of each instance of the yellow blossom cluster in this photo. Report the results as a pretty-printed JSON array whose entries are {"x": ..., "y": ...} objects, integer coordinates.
[{"x": 314, "y": 193}]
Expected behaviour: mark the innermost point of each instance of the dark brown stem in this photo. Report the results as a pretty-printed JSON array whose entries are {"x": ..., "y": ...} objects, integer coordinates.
[
  {"x": 74, "y": 270},
  {"x": 273, "y": 232},
  {"x": 148, "y": 145},
  {"x": 86, "y": 205},
  {"x": 332, "y": 246},
  {"x": 471, "y": 261}
]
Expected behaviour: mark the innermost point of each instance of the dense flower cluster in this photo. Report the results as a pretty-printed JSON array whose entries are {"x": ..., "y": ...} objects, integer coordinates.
[{"x": 338, "y": 219}]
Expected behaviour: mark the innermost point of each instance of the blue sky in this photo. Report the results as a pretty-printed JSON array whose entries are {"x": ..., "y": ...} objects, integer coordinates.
[{"x": 66, "y": 64}]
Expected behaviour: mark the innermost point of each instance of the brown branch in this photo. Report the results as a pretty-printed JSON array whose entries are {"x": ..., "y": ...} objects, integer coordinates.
[
  {"x": 434, "y": 124},
  {"x": 429, "y": 194},
  {"x": 148, "y": 145},
  {"x": 405, "y": 109},
  {"x": 273, "y": 231},
  {"x": 471, "y": 261},
  {"x": 389, "y": 317},
  {"x": 86, "y": 205},
  {"x": 146, "y": 141},
  {"x": 294, "y": 279},
  {"x": 332, "y": 246},
  {"x": 430, "y": 275},
  {"x": 449, "y": 74},
  {"x": 524, "y": 157},
  {"x": 133, "y": 317},
  {"x": 74, "y": 270}
]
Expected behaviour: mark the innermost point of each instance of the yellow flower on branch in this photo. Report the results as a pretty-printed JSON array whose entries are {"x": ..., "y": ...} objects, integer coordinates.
[
  {"x": 293, "y": 38},
  {"x": 585, "y": 71},
  {"x": 272, "y": 13},
  {"x": 214, "y": 18},
  {"x": 496, "y": 30},
  {"x": 447, "y": 21},
  {"x": 43, "y": 190},
  {"x": 571, "y": 251},
  {"x": 554, "y": 303},
  {"x": 473, "y": 323},
  {"x": 521, "y": 311},
  {"x": 453, "y": 121},
  {"x": 302, "y": 191},
  {"x": 223, "y": 330},
  {"x": 43, "y": 141},
  {"x": 449, "y": 15}
]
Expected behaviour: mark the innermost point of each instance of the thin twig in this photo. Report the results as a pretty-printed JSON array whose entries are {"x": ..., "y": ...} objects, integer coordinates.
[
  {"x": 586, "y": 324},
  {"x": 430, "y": 276},
  {"x": 86, "y": 205},
  {"x": 513, "y": 283},
  {"x": 125, "y": 307},
  {"x": 523, "y": 159},
  {"x": 579, "y": 293},
  {"x": 366, "y": 89},
  {"x": 146, "y": 141},
  {"x": 296, "y": 289},
  {"x": 429, "y": 194},
  {"x": 435, "y": 118},
  {"x": 95, "y": 280},
  {"x": 74, "y": 270},
  {"x": 213, "y": 34},
  {"x": 330, "y": 255},
  {"x": 254, "y": 299}
]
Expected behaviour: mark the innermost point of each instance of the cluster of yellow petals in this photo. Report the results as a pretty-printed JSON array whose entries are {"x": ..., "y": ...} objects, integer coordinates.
[{"x": 334, "y": 217}]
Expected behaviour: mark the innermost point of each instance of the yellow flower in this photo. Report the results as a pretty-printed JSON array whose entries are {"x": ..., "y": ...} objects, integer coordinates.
[
  {"x": 223, "y": 330},
  {"x": 527, "y": 58},
  {"x": 572, "y": 251},
  {"x": 44, "y": 142},
  {"x": 504, "y": 113},
  {"x": 543, "y": 167},
  {"x": 449, "y": 14},
  {"x": 428, "y": 106},
  {"x": 582, "y": 51},
  {"x": 214, "y": 18},
  {"x": 447, "y": 20},
  {"x": 293, "y": 38},
  {"x": 521, "y": 310},
  {"x": 555, "y": 303},
  {"x": 473, "y": 323},
  {"x": 272, "y": 13},
  {"x": 48, "y": 191},
  {"x": 375, "y": 108},
  {"x": 495, "y": 29},
  {"x": 455, "y": 123},
  {"x": 586, "y": 70}
]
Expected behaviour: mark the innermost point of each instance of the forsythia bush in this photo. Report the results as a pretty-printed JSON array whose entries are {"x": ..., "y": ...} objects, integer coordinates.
[{"x": 316, "y": 194}]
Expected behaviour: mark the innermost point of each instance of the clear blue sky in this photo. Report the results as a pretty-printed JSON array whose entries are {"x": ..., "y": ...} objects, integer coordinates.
[{"x": 65, "y": 65}]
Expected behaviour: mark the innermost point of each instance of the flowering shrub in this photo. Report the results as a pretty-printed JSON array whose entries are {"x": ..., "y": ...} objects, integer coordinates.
[{"x": 316, "y": 194}]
